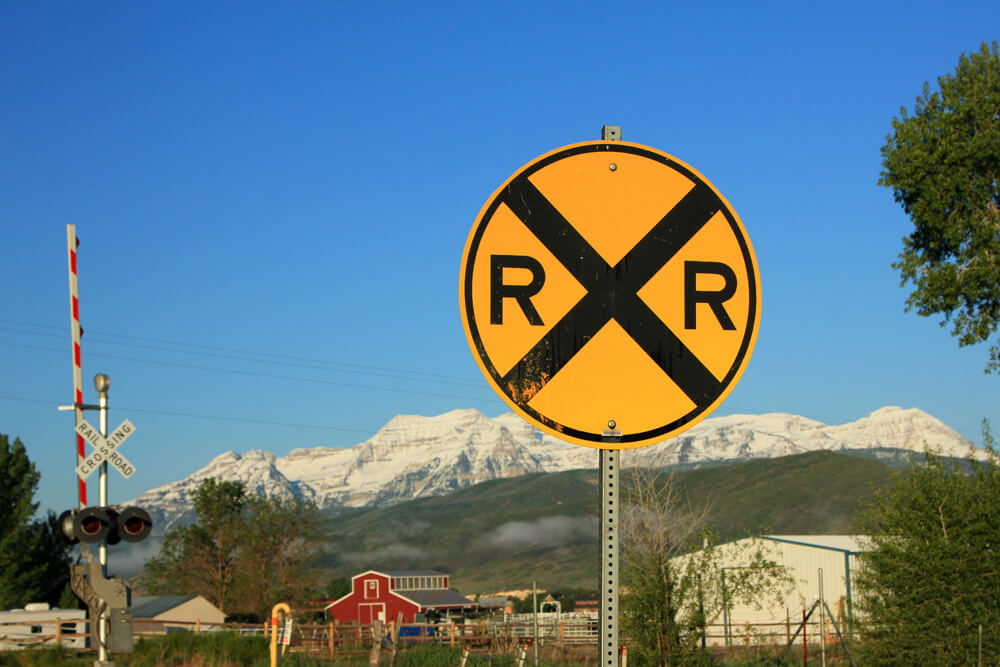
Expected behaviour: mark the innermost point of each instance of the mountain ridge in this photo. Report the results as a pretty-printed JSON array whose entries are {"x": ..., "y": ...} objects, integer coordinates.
[{"x": 415, "y": 457}]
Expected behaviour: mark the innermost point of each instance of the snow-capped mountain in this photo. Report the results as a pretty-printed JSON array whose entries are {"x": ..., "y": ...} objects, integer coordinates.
[{"x": 414, "y": 456}]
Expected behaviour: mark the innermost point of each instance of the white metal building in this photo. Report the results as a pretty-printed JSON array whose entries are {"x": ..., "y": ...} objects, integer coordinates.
[{"x": 803, "y": 557}]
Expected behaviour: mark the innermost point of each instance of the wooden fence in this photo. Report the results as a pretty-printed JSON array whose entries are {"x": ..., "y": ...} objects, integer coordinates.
[{"x": 332, "y": 639}]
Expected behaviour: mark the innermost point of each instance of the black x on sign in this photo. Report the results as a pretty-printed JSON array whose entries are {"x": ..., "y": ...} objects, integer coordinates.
[{"x": 610, "y": 282}]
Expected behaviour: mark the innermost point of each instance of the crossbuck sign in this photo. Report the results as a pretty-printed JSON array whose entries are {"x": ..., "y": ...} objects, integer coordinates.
[
  {"x": 105, "y": 449},
  {"x": 608, "y": 289}
]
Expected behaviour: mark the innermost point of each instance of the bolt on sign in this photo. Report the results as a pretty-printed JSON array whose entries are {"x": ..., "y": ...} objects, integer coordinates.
[{"x": 608, "y": 285}]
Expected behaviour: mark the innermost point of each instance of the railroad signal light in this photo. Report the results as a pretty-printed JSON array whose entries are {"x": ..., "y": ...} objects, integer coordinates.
[
  {"x": 134, "y": 524},
  {"x": 93, "y": 525}
]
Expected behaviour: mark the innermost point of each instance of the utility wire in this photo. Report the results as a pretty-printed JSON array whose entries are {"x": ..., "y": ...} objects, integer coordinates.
[
  {"x": 270, "y": 376},
  {"x": 198, "y": 416},
  {"x": 266, "y": 357}
]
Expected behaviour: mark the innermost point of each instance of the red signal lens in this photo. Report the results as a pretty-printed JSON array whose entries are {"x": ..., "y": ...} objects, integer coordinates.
[
  {"x": 133, "y": 525},
  {"x": 91, "y": 526}
]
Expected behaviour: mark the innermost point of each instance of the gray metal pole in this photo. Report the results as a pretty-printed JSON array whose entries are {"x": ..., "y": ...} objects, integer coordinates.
[
  {"x": 608, "y": 635},
  {"x": 102, "y": 426},
  {"x": 609, "y": 558},
  {"x": 534, "y": 609},
  {"x": 102, "y": 383}
]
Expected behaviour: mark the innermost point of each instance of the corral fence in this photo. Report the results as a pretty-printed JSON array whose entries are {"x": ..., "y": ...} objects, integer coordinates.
[
  {"x": 19, "y": 634},
  {"x": 331, "y": 639}
]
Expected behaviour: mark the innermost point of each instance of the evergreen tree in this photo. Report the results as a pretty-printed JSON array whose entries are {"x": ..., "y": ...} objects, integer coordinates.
[
  {"x": 53, "y": 556},
  {"x": 22, "y": 551}
]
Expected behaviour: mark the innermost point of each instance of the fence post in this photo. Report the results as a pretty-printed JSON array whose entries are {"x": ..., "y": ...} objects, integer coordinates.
[
  {"x": 375, "y": 657},
  {"x": 805, "y": 649},
  {"x": 197, "y": 626},
  {"x": 451, "y": 634},
  {"x": 59, "y": 632},
  {"x": 333, "y": 650}
]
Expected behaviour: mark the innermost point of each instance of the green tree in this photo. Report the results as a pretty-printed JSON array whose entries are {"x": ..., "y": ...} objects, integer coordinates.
[
  {"x": 53, "y": 557},
  {"x": 279, "y": 552},
  {"x": 337, "y": 587},
  {"x": 943, "y": 166},
  {"x": 35, "y": 560},
  {"x": 202, "y": 557},
  {"x": 931, "y": 572},
  {"x": 242, "y": 553},
  {"x": 20, "y": 574},
  {"x": 672, "y": 573}
]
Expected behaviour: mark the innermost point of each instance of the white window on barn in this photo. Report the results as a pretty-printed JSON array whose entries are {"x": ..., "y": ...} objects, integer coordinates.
[{"x": 371, "y": 589}]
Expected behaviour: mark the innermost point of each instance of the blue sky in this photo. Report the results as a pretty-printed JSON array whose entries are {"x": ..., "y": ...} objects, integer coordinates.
[{"x": 272, "y": 202}]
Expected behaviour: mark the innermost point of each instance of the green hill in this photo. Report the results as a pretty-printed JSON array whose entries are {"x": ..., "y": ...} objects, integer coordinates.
[{"x": 504, "y": 534}]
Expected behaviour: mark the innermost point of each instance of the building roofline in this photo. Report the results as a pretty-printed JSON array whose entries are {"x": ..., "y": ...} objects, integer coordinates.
[{"x": 808, "y": 544}]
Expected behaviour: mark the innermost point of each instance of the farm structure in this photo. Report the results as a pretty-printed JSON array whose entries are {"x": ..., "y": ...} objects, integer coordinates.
[
  {"x": 162, "y": 614},
  {"x": 384, "y": 595},
  {"x": 804, "y": 559}
]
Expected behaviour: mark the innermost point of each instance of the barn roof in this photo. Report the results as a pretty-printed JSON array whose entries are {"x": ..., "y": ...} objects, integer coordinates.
[
  {"x": 495, "y": 602},
  {"x": 436, "y": 598},
  {"x": 412, "y": 573},
  {"x": 151, "y": 606}
]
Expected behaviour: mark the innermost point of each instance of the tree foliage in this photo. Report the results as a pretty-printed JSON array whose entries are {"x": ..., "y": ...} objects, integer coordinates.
[
  {"x": 243, "y": 553},
  {"x": 931, "y": 572},
  {"x": 672, "y": 573},
  {"x": 19, "y": 576},
  {"x": 943, "y": 166},
  {"x": 35, "y": 561}
]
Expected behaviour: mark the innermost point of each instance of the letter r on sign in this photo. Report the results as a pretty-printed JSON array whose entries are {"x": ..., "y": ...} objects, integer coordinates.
[
  {"x": 520, "y": 293},
  {"x": 693, "y": 296}
]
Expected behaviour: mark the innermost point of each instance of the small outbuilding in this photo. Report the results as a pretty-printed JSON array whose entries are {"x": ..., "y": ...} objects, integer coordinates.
[
  {"x": 377, "y": 595},
  {"x": 813, "y": 565},
  {"x": 161, "y": 614}
]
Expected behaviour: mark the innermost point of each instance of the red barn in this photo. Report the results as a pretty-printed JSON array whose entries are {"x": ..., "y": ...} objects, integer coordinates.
[{"x": 383, "y": 595}]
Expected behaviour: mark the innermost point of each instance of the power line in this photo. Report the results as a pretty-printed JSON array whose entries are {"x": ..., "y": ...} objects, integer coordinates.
[
  {"x": 270, "y": 376},
  {"x": 200, "y": 416},
  {"x": 268, "y": 357}
]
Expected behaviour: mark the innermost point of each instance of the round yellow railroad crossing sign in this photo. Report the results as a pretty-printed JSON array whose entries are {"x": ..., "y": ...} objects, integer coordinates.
[{"x": 610, "y": 294}]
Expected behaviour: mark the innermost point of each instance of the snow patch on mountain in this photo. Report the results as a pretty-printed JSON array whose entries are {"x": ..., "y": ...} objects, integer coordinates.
[{"x": 414, "y": 456}]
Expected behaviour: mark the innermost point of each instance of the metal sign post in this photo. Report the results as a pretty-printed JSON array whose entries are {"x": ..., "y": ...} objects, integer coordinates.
[
  {"x": 102, "y": 383},
  {"x": 610, "y": 279},
  {"x": 608, "y": 635}
]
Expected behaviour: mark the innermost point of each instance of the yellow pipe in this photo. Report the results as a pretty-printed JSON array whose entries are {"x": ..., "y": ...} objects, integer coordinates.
[{"x": 280, "y": 607}]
